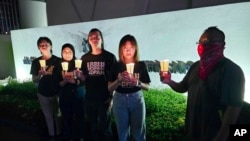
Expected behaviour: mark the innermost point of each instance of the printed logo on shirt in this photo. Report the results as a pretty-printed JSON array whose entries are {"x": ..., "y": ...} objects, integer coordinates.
[
  {"x": 50, "y": 70},
  {"x": 96, "y": 68}
]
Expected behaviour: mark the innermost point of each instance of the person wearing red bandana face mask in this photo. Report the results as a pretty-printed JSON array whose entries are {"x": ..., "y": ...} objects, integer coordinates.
[{"x": 215, "y": 87}]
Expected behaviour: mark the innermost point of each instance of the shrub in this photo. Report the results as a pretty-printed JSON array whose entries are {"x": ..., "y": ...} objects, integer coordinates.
[
  {"x": 22, "y": 94},
  {"x": 25, "y": 89},
  {"x": 165, "y": 109},
  {"x": 165, "y": 114}
]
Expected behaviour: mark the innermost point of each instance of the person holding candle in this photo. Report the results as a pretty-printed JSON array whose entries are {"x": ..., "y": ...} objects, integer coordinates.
[
  {"x": 127, "y": 79},
  {"x": 96, "y": 66},
  {"x": 42, "y": 71},
  {"x": 70, "y": 81},
  {"x": 215, "y": 87}
]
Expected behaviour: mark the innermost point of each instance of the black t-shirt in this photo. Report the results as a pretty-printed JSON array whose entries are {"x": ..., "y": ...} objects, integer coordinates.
[
  {"x": 45, "y": 86},
  {"x": 97, "y": 68},
  {"x": 140, "y": 72},
  {"x": 208, "y": 99},
  {"x": 69, "y": 88}
]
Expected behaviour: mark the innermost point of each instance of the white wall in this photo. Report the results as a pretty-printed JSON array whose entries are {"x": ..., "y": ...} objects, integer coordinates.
[{"x": 169, "y": 35}]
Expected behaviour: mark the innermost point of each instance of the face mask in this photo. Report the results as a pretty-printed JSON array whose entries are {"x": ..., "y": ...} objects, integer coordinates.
[{"x": 200, "y": 50}]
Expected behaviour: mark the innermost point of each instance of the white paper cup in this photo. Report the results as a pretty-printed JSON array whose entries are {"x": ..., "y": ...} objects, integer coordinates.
[
  {"x": 164, "y": 65},
  {"x": 65, "y": 66},
  {"x": 42, "y": 63},
  {"x": 78, "y": 63},
  {"x": 130, "y": 68}
]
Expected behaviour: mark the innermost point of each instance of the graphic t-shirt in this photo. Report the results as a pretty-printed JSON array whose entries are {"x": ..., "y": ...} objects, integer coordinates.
[
  {"x": 140, "y": 73},
  {"x": 45, "y": 86},
  {"x": 97, "y": 68}
]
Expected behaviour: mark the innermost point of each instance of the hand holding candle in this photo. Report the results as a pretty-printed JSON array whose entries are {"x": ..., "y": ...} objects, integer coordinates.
[
  {"x": 65, "y": 66},
  {"x": 164, "y": 64},
  {"x": 42, "y": 64},
  {"x": 130, "y": 68},
  {"x": 165, "y": 76},
  {"x": 78, "y": 63}
]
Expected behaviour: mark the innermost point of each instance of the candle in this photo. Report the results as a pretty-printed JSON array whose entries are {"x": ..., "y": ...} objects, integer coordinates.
[
  {"x": 65, "y": 66},
  {"x": 130, "y": 68},
  {"x": 42, "y": 63},
  {"x": 164, "y": 64},
  {"x": 78, "y": 63}
]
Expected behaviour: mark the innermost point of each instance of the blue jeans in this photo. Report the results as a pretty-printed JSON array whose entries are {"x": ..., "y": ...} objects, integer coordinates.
[{"x": 130, "y": 113}]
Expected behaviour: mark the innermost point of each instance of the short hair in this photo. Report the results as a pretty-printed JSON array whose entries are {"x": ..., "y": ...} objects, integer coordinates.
[
  {"x": 133, "y": 41},
  {"x": 214, "y": 34},
  {"x": 44, "y": 39},
  {"x": 41, "y": 39}
]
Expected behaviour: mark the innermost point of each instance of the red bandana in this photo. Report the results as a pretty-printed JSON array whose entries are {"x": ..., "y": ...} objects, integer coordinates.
[{"x": 209, "y": 56}]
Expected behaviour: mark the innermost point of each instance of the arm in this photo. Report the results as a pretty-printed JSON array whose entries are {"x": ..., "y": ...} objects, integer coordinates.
[
  {"x": 36, "y": 78},
  {"x": 113, "y": 85},
  {"x": 144, "y": 86},
  {"x": 166, "y": 79},
  {"x": 178, "y": 87},
  {"x": 230, "y": 117}
]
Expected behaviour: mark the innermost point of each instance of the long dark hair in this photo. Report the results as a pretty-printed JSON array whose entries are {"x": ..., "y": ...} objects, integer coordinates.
[{"x": 95, "y": 30}]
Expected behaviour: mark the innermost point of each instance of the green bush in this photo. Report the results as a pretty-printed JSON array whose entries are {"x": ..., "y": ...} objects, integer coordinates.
[
  {"x": 165, "y": 109},
  {"x": 165, "y": 115},
  {"x": 22, "y": 94},
  {"x": 25, "y": 89}
]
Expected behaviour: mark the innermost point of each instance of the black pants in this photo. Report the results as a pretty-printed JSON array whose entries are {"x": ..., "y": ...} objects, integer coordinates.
[{"x": 99, "y": 120}]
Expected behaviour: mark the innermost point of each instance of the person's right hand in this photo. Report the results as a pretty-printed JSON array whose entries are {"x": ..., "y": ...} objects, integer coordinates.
[{"x": 165, "y": 77}]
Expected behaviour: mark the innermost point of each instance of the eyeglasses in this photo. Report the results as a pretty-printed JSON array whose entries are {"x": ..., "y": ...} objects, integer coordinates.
[{"x": 207, "y": 42}]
